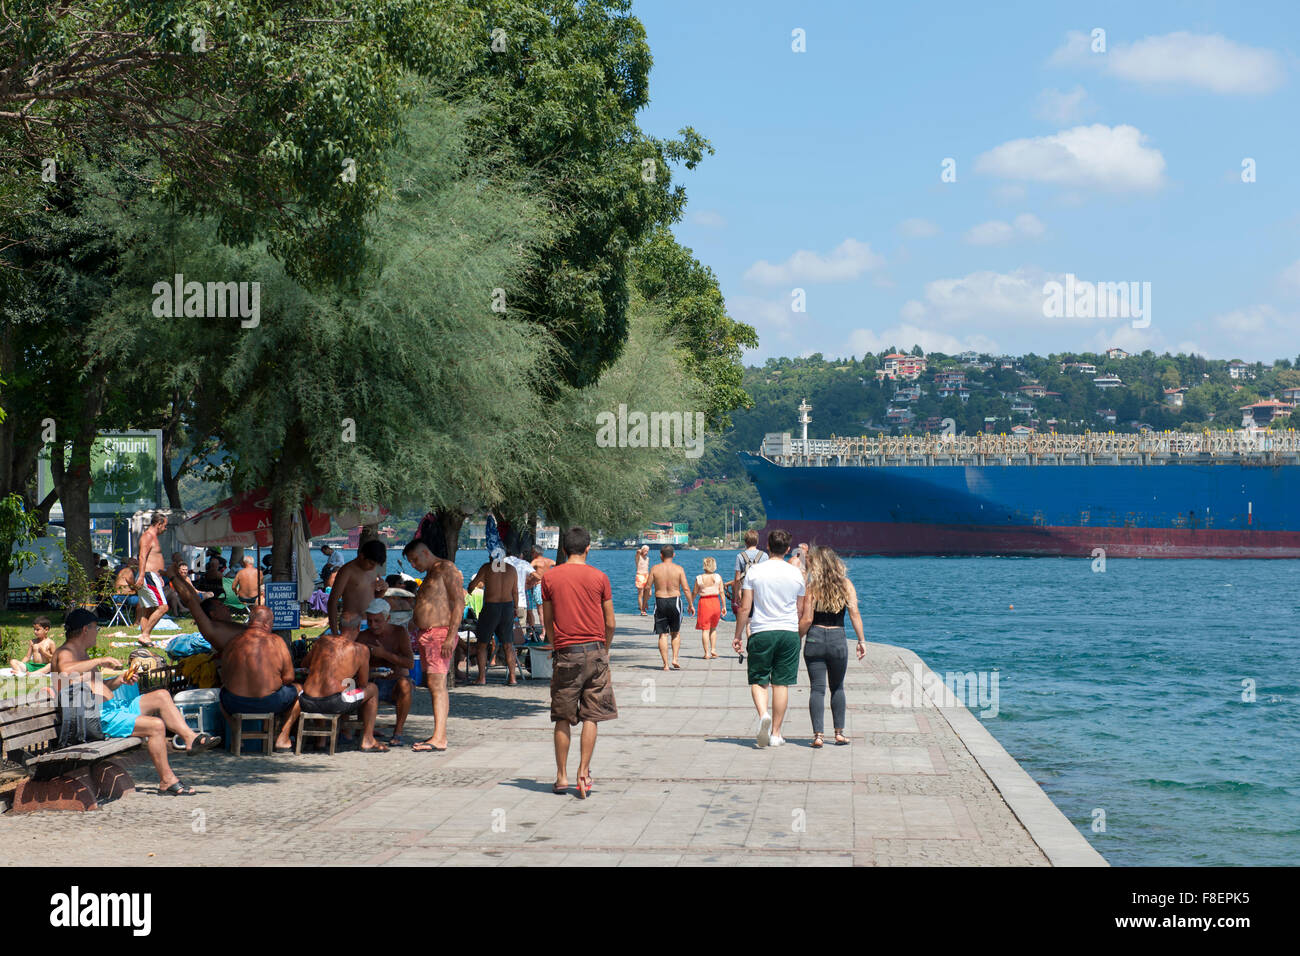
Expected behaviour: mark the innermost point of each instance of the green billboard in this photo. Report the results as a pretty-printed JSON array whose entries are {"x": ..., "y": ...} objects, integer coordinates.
[{"x": 126, "y": 473}]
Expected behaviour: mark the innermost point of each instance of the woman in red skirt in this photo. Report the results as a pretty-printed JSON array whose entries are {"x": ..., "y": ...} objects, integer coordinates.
[{"x": 710, "y": 606}]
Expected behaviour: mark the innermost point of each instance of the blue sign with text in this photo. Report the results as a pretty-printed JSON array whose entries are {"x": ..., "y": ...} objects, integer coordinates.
[{"x": 282, "y": 599}]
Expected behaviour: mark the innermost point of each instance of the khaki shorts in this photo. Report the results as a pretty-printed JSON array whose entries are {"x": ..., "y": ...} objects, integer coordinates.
[{"x": 580, "y": 684}]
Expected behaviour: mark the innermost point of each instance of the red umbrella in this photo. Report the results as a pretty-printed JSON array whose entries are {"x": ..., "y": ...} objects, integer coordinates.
[{"x": 243, "y": 521}]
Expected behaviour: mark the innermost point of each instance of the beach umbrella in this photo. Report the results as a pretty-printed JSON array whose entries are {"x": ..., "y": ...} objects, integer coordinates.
[{"x": 243, "y": 521}]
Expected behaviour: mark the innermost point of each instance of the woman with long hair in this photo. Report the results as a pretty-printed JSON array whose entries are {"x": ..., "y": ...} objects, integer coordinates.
[
  {"x": 710, "y": 606},
  {"x": 825, "y": 649}
]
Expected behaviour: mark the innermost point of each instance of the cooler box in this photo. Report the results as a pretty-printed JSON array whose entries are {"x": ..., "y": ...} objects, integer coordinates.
[{"x": 201, "y": 709}]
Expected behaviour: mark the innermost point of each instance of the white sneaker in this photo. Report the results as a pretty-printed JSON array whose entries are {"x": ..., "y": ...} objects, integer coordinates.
[
  {"x": 776, "y": 740},
  {"x": 765, "y": 730}
]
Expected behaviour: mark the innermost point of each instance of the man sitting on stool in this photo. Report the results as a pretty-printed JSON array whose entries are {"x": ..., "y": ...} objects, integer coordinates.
[
  {"x": 390, "y": 645},
  {"x": 257, "y": 674},
  {"x": 338, "y": 681}
]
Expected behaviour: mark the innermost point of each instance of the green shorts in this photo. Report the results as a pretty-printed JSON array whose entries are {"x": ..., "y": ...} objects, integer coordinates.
[{"x": 774, "y": 658}]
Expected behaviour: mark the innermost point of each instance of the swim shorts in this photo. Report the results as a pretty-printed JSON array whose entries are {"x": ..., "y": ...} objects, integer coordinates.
[
  {"x": 151, "y": 590},
  {"x": 333, "y": 704},
  {"x": 274, "y": 703},
  {"x": 118, "y": 714},
  {"x": 773, "y": 658},
  {"x": 497, "y": 620},
  {"x": 668, "y": 615},
  {"x": 430, "y": 642},
  {"x": 535, "y": 597}
]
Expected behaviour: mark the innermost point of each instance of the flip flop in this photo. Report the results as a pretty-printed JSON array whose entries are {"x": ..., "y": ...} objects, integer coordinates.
[
  {"x": 421, "y": 747},
  {"x": 177, "y": 789},
  {"x": 559, "y": 791},
  {"x": 378, "y": 748},
  {"x": 284, "y": 750},
  {"x": 396, "y": 740},
  {"x": 676, "y": 667},
  {"x": 203, "y": 742}
]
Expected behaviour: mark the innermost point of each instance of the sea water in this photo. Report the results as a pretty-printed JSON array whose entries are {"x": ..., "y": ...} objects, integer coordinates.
[{"x": 1156, "y": 702}]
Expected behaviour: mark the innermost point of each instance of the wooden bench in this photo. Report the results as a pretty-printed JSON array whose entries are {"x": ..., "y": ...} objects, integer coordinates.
[{"x": 76, "y": 777}]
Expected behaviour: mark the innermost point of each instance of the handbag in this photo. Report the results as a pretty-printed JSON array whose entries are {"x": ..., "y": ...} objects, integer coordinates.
[{"x": 79, "y": 707}]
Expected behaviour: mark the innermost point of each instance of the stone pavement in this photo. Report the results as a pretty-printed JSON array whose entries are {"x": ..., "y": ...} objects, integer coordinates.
[{"x": 678, "y": 781}]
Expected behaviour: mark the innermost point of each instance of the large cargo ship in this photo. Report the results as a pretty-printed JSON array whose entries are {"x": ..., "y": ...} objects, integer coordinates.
[{"x": 1155, "y": 495}]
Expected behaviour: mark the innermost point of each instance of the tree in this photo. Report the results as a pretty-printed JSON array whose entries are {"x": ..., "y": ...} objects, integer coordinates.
[
  {"x": 257, "y": 111},
  {"x": 669, "y": 277},
  {"x": 562, "y": 86}
]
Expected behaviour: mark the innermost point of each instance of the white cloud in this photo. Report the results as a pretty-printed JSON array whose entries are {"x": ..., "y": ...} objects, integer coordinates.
[
  {"x": 846, "y": 261},
  {"x": 1204, "y": 61},
  {"x": 1290, "y": 278},
  {"x": 709, "y": 218},
  {"x": 918, "y": 228},
  {"x": 1061, "y": 108},
  {"x": 990, "y": 233},
  {"x": 1009, "y": 193},
  {"x": 1251, "y": 320},
  {"x": 1092, "y": 156},
  {"x": 862, "y": 341},
  {"x": 996, "y": 232},
  {"x": 774, "y": 321}
]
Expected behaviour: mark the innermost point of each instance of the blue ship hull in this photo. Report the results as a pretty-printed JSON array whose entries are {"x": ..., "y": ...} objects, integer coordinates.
[{"x": 1224, "y": 509}]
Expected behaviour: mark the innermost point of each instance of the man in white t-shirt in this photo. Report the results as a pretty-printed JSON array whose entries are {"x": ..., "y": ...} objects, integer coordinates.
[{"x": 772, "y": 599}]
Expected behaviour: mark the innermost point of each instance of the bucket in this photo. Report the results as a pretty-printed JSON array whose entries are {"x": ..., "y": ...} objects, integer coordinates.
[{"x": 539, "y": 661}]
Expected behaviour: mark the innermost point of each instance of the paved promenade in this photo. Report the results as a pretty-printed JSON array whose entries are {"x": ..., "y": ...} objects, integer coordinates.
[{"x": 678, "y": 781}]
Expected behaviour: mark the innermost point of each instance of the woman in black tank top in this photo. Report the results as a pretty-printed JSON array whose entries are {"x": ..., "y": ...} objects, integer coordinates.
[{"x": 825, "y": 652}]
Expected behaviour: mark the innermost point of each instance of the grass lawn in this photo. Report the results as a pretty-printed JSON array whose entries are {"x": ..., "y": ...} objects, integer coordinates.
[{"x": 16, "y": 631}]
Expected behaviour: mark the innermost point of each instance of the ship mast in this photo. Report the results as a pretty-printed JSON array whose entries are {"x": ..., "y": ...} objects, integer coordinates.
[{"x": 804, "y": 419}]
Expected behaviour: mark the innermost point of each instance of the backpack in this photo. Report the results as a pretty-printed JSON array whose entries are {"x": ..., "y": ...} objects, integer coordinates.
[
  {"x": 749, "y": 561},
  {"x": 78, "y": 714}
]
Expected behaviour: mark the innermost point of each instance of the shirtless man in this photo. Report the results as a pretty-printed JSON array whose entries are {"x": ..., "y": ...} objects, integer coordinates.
[
  {"x": 354, "y": 585},
  {"x": 153, "y": 599},
  {"x": 497, "y": 619},
  {"x": 40, "y": 651},
  {"x": 390, "y": 646},
  {"x": 257, "y": 674},
  {"x": 248, "y": 582},
  {"x": 541, "y": 564},
  {"x": 123, "y": 710},
  {"x": 642, "y": 576},
  {"x": 212, "y": 615},
  {"x": 668, "y": 581},
  {"x": 439, "y": 606},
  {"x": 338, "y": 681}
]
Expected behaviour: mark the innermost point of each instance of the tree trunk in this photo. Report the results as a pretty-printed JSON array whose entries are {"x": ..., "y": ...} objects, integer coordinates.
[
  {"x": 73, "y": 478},
  {"x": 171, "y": 480}
]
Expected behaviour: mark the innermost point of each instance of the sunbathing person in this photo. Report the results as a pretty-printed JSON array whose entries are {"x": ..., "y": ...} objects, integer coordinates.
[
  {"x": 125, "y": 712},
  {"x": 338, "y": 681},
  {"x": 40, "y": 651},
  {"x": 257, "y": 675},
  {"x": 390, "y": 646}
]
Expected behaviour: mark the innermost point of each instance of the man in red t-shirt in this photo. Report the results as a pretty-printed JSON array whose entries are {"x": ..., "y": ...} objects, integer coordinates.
[{"x": 578, "y": 614}]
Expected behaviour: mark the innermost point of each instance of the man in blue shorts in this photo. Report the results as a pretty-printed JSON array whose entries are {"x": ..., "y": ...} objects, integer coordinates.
[{"x": 124, "y": 711}]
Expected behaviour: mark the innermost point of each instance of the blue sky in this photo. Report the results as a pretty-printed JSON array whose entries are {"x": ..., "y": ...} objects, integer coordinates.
[{"x": 1115, "y": 166}]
